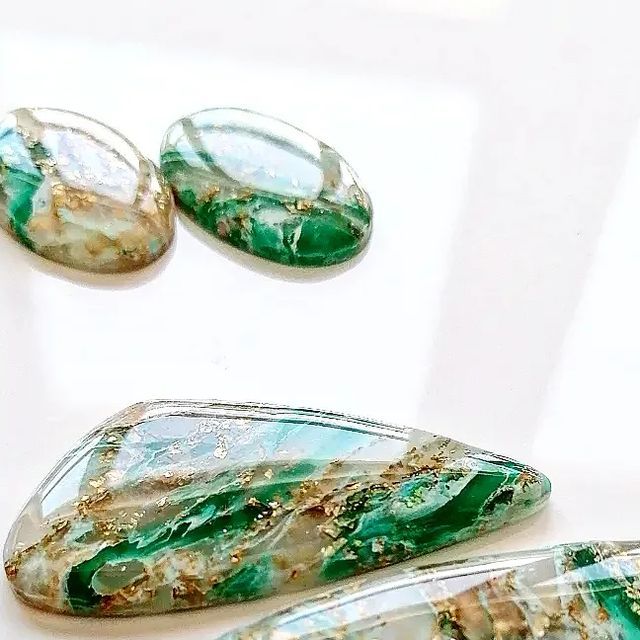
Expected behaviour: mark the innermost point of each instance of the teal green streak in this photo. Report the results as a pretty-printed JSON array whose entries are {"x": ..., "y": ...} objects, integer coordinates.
[
  {"x": 611, "y": 593},
  {"x": 252, "y": 581},
  {"x": 325, "y": 234},
  {"x": 374, "y": 515},
  {"x": 20, "y": 180},
  {"x": 320, "y": 236},
  {"x": 221, "y": 515},
  {"x": 358, "y": 501},
  {"x": 419, "y": 514},
  {"x": 19, "y": 188}
]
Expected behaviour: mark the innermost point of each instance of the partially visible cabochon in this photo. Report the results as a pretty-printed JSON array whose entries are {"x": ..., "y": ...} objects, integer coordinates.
[
  {"x": 266, "y": 187},
  {"x": 582, "y": 591},
  {"x": 76, "y": 192},
  {"x": 176, "y": 505}
]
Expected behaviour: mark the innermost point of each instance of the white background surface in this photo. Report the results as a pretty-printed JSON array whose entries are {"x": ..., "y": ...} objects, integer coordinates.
[{"x": 498, "y": 300}]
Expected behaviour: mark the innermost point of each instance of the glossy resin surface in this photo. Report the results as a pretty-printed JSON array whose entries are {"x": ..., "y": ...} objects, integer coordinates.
[
  {"x": 176, "y": 505},
  {"x": 266, "y": 187},
  {"x": 76, "y": 192},
  {"x": 588, "y": 591}
]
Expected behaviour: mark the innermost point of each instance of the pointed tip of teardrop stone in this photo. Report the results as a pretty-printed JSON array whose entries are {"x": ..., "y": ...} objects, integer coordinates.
[
  {"x": 266, "y": 187},
  {"x": 78, "y": 193},
  {"x": 177, "y": 505}
]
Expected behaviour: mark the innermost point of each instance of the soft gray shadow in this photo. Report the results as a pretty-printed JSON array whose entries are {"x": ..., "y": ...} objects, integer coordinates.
[
  {"x": 129, "y": 280},
  {"x": 266, "y": 267},
  {"x": 558, "y": 109}
]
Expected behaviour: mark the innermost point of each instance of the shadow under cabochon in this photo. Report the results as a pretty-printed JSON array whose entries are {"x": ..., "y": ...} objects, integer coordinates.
[
  {"x": 266, "y": 187},
  {"x": 178, "y": 505},
  {"x": 76, "y": 192}
]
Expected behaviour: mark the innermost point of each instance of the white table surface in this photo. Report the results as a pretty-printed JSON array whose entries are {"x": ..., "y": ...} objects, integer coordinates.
[{"x": 497, "y": 303}]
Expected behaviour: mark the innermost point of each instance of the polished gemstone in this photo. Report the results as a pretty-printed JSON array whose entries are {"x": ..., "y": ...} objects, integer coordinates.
[
  {"x": 176, "y": 505},
  {"x": 266, "y": 187},
  {"x": 78, "y": 193},
  {"x": 585, "y": 591}
]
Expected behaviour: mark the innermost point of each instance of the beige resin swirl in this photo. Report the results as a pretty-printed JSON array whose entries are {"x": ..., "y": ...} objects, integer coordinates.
[{"x": 76, "y": 192}]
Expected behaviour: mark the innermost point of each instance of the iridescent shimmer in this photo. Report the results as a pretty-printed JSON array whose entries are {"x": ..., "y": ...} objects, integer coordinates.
[
  {"x": 177, "y": 505},
  {"x": 586, "y": 591},
  {"x": 266, "y": 187},
  {"x": 76, "y": 192}
]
